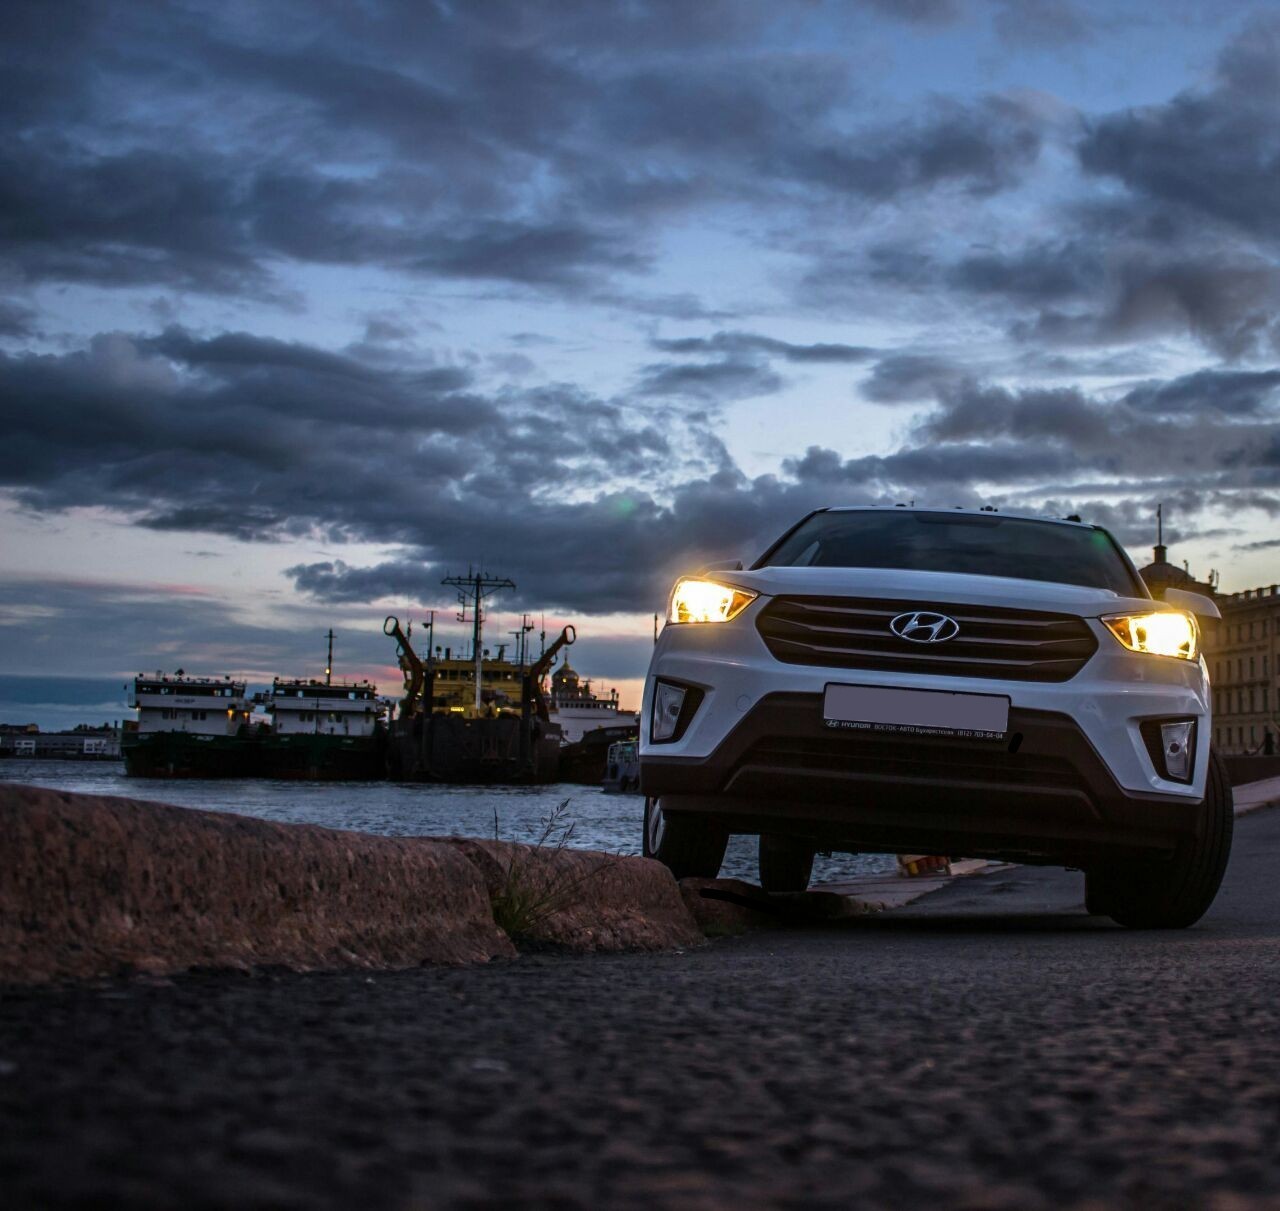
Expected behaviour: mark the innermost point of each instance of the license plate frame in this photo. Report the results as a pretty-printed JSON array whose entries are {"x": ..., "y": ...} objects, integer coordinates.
[{"x": 900, "y": 710}]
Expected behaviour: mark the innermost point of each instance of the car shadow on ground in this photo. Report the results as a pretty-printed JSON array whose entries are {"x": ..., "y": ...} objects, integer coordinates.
[{"x": 904, "y": 922}]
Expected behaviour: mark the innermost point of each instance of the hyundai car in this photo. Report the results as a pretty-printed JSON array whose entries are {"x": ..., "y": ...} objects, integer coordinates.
[{"x": 941, "y": 681}]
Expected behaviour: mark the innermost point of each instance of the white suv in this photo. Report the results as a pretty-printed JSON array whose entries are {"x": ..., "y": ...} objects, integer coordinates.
[{"x": 952, "y": 682}]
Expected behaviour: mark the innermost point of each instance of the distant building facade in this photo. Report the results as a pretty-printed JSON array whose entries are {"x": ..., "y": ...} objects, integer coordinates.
[
  {"x": 1243, "y": 655},
  {"x": 84, "y": 743},
  {"x": 1243, "y": 652}
]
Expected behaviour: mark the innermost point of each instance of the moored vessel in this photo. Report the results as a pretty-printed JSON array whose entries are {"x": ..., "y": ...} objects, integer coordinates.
[
  {"x": 472, "y": 721},
  {"x": 579, "y": 710},
  {"x": 622, "y": 767},
  {"x": 589, "y": 724},
  {"x": 190, "y": 727},
  {"x": 323, "y": 732}
]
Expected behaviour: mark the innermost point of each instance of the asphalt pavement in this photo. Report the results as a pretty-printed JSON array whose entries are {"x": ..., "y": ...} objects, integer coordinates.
[{"x": 989, "y": 1046}]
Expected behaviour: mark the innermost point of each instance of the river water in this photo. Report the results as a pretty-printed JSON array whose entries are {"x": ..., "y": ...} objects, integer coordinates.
[{"x": 605, "y": 822}]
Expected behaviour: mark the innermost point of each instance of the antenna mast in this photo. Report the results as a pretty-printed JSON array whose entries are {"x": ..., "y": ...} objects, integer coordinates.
[
  {"x": 328, "y": 664},
  {"x": 473, "y": 588}
]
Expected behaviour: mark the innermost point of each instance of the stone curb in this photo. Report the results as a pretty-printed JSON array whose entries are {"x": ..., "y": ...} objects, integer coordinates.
[{"x": 96, "y": 886}]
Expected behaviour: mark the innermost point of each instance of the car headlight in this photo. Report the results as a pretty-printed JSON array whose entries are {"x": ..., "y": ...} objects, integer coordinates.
[
  {"x": 1170, "y": 633},
  {"x": 694, "y": 600}
]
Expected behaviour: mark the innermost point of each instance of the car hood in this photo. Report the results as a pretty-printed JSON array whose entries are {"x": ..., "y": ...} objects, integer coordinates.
[{"x": 922, "y": 589}]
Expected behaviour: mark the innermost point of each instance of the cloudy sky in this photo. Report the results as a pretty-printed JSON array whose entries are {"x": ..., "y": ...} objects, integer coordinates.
[{"x": 305, "y": 305}]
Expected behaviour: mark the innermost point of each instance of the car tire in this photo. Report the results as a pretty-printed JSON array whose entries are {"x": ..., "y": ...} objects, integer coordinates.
[
  {"x": 1095, "y": 894},
  {"x": 786, "y": 863},
  {"x": 1176, "y": 892},
  {"x": 689, "y": 845}
]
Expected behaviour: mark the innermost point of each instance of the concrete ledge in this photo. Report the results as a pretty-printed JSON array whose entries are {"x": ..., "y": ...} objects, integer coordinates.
[
  {"x": 1250, "y": 796},
  {"x": 93, "y": 887}
]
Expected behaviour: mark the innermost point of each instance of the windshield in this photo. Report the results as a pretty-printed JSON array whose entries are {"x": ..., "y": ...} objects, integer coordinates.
[{"x": 983, "y": 544}]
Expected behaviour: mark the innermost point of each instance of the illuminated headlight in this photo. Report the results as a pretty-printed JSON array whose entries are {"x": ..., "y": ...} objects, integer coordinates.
[
  {"x": 1171, "y": 633},
  {"x": 706, "y": 601}
]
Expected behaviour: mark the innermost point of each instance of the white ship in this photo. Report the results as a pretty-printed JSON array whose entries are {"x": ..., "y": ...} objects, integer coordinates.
[
  {"x": 189, "y": 727},
  {"x": 317, "y": 708},
  {"x": 578, "y": 711},
  {"x": 203, "y": 706}
]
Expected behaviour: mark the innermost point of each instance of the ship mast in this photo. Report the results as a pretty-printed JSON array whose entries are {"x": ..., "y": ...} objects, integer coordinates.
[
  {"x": 328, "y": 663},
  {"x": 473, "y": 588}
]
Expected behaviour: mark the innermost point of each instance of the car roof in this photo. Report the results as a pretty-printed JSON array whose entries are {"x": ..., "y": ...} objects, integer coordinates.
[{"x": 1059, "y": 521}]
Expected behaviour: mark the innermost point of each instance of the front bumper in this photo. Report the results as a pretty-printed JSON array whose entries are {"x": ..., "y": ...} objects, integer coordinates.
[
  {"x": 1072, "y": 781},
  {"x": 1042, "y": 795}
]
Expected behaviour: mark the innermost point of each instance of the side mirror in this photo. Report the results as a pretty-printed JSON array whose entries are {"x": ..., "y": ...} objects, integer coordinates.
[
  {"x": 1195, "y": 603},
  {"x": 723, "y": 565}
]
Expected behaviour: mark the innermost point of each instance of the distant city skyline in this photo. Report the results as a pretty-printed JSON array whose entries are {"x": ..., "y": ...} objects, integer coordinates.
[{"x": 306, "y": 307}]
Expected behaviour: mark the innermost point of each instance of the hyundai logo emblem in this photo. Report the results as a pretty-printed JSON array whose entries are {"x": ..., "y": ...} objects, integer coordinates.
[{"x": 923, "y": 626}]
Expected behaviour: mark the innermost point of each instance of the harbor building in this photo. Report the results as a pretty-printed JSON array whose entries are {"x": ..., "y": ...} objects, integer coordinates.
[
  {"x": 82, "y": 743},
  {"x": 1242, "y": 652}
]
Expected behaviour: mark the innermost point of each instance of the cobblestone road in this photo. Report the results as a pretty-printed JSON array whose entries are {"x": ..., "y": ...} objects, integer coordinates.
[{"x": 990, "y": 1047}]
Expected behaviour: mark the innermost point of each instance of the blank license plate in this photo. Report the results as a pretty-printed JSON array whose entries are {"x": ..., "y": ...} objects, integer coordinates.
[{"x": 879, "y": 708}]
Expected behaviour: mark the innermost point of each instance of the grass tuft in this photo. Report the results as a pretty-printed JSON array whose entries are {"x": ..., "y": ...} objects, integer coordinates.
[{"x": 533, "y": 889}]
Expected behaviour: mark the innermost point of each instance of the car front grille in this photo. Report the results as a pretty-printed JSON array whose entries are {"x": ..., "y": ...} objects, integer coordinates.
[{"x": 853, "y": 633}]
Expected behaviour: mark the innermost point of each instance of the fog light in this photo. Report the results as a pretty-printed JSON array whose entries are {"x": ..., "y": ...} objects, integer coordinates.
[
  {"x": 1175, "y": 748},
  {"x": 668, "y": 701}
]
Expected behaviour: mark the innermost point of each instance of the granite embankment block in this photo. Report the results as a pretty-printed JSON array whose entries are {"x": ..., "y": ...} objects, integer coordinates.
[
  {"x": 95, "y": 886},
  {"x": 584, "y": 900}
]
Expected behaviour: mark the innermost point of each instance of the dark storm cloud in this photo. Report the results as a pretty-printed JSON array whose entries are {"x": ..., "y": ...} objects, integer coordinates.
[
  {"x": 557, "y": 254},
  {"x": 439, "y": 141},
  {"x": 1226, "y": 302},
  {"x": 147, "y": 215},
  {"x": 1167, "y": 229},
  {"x": 16, "y": 319},
  {"x": 552, "y": 148},
  {"x": 590, "y": 505},
  {"x": 197, "y": 221},
  {"x": 1132, "y": 519},
  {"x": 911, "y": 378},
  {"x": 334, "y": 580},
  {"x": 681, "y": 306},
  {"x": 1180, "y": 428},
  {"x": 1037, "y": 273},
  {"x": 924, "y": 12},
  {"x": 157, "y": 625},
  {"x": 980, "y": 148},
  {"x": 730, "y": 378},
  {"x": 730, "y": 343},
  {"x": 1099, "y": 287},
  {"x": 1049, "y": 23},
  {"x": 41, "y": 52},
  {"x": 259, "y": 439},
  {"x": 1238, "y": 392},
  {"x": 146, "y": 417},
  {"x": 1214, "y": 153}
]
